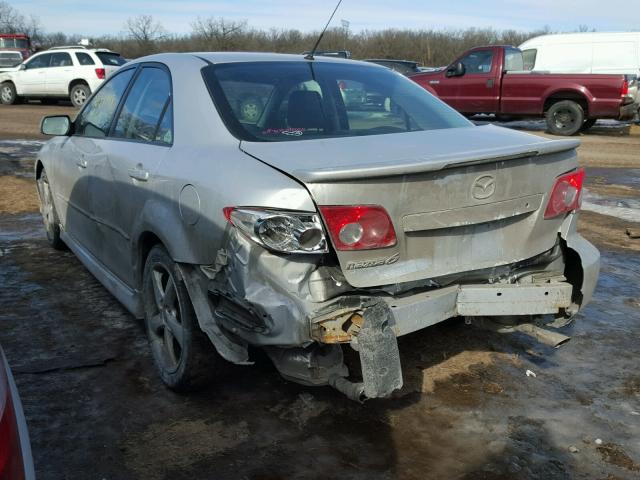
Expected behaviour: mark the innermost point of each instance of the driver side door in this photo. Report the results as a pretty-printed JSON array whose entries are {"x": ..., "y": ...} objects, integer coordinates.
[
  {"x": 477, "y": 90},
  {"x": 32, "y": 80}
]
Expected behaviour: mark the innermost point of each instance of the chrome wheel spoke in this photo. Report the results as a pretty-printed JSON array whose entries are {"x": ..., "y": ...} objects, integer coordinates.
[
  {"x": 158, "y": 289},
  {"x": 174, "y": 326},
  {"x": 173, "y": 357},
  {"x": 169, "y": 294}
]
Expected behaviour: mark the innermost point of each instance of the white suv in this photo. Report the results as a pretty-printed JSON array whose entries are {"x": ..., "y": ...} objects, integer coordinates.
[{"x": 59, "y": 73}]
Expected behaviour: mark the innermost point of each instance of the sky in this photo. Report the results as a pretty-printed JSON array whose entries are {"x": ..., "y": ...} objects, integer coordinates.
[{"x": 94, "y": 18}]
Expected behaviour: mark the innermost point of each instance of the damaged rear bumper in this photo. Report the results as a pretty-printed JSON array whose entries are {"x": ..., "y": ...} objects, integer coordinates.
[{"x": 302, "y": 312}]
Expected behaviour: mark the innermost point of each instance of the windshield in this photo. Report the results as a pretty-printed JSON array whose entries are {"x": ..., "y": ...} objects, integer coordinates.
[
  {"x": 111, "y": 59},
  {"x": 280, "y": 101}
]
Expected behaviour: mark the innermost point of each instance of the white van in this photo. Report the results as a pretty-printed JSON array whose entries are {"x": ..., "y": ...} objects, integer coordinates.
[
  {"x": 589, "y": 52},
  {"x": 617, "y": 53}
]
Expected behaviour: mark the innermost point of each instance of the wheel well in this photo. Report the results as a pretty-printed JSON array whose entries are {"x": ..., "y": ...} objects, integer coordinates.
[
  {"x": 8, "y": 81},
  {"x": 146, "y": 242},
  {"x": 77, "y": 81},
  {"x": 567, "y": 95}
]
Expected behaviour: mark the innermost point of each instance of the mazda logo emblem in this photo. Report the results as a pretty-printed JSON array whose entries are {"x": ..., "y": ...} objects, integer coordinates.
[{"x": 483, "y": 187}]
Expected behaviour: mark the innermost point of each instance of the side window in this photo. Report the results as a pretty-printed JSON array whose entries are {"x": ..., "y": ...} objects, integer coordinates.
[
  {"x": 84, "y": 58},
  {"x": 61, "y": 59},
  {"x": 477, "y": 62},
  {"x": 95, "y": 118},
  {"x": 529, "y": 58},
  {"x": 513, "y": 60},
  {"x": 145, "y": 114},
  {"x": 41, "y": 61}
]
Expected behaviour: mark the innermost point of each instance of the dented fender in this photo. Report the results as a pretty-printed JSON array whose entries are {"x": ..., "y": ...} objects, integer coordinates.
[{"x": 589, "y": 258}]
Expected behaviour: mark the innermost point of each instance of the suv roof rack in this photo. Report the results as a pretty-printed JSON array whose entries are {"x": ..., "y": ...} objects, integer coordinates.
[{"x": 70, "y": 47}]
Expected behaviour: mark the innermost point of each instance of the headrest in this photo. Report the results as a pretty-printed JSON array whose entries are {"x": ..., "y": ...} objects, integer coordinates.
[{"x": 305, "y": 110}]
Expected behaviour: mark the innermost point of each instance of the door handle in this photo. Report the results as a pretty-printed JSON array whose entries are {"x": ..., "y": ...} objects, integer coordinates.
[
  {"x": 81, "y": 163},
  {"x": 139, "y": 173},
  {"x": 434, "y": 82}
]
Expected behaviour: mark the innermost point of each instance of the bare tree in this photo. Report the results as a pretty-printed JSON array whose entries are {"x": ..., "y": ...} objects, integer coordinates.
[
  {"x": 10, "y": 19},
  {"x": 145, "y": 31},
  {"x": 219, "y": 33}
]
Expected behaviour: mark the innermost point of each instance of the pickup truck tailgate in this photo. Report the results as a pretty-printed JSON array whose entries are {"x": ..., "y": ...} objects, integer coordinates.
[{"x": 483, "y": 210}]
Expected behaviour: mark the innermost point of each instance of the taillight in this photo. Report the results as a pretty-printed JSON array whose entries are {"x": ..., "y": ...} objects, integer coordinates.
[
  {"x": 100, "y": 73},
  {"x": 11, "y": 465},
  {"x": 566, "y": 194},
  {"x": 359, "y": 227},
  {"x": 280, "y": 231},
  {"x": 624, "y": 91}
]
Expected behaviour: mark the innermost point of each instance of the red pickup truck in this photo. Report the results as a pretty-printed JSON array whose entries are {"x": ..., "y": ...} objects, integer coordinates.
[{"x": 493, "y": 80}]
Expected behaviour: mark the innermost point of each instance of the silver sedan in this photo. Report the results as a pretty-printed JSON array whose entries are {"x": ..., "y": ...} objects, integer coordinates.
[{"x": 301, "y": 205}]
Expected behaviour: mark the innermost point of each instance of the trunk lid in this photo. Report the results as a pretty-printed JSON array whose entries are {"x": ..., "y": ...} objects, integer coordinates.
[{"x": 460, "y": 199}]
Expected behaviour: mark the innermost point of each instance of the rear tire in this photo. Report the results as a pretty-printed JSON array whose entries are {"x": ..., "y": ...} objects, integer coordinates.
[
  {"x": 183, "y": 354},
  {"x": 79, "y": 94},
  {"x": 588, "y": 123},
  {"x": 8, "y": 94},
  {"x": 49, "y": 213},
  {"x": 565, "y": 118}
]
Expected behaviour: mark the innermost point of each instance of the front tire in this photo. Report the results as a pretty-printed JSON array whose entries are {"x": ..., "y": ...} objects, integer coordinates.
[
  {"x": 49, "y": 213},
  {"x": 79, "y": 94},
  {"x": 183, "y": 354},
  {"x": 8, "y": 94},
  {"x": 565, "y": 118}
]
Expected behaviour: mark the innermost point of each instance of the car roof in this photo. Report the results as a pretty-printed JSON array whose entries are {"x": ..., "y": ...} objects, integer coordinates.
[{"x": 236, "y": 57}]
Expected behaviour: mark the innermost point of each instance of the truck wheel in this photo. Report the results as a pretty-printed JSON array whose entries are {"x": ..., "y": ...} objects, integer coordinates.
[
  {"x": 183, "y": 354},
  {"x": 565, "y": 118},
  {"x": 588, "y": 123},
  {"x": 8, "y": 95},
  {"x": 79, "y": 94}
]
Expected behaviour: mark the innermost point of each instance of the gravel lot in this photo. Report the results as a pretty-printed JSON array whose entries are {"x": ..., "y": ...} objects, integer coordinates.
[{"x": 97, "y": 410}]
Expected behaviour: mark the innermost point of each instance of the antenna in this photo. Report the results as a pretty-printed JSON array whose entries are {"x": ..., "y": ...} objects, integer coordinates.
[{"x": 309, "y": 56}]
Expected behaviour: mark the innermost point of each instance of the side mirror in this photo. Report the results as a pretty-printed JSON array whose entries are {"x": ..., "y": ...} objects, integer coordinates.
[
  {"x": 59, "y": 125},
  {"x": 23, "y": 66},
  {"x": 456, "y": 70}
]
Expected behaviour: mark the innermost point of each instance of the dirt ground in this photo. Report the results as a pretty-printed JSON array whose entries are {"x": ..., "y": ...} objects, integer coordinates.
[{"x": 97, "y": 410}]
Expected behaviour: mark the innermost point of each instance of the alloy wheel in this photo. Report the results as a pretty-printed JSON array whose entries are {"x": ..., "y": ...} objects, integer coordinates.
[
  {"x": 47, "y": 209},
  {"x": 79, "y": 96},
  {"x": 7, "y": 94},
  {"x": 164, "y": 322}
]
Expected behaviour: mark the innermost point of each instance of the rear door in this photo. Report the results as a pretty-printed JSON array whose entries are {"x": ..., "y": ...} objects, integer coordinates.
[
  {"x": 123, "y": 178},
  {"x": 32, "y": 80},
  {"x": 478, "y": 90},
  {"x": 59, "y": 74}
]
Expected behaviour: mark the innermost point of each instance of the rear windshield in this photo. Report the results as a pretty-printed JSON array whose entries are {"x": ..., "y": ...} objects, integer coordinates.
[
  {"x": 280, "y": 101},
  {"x": 111, "y": 59}
]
